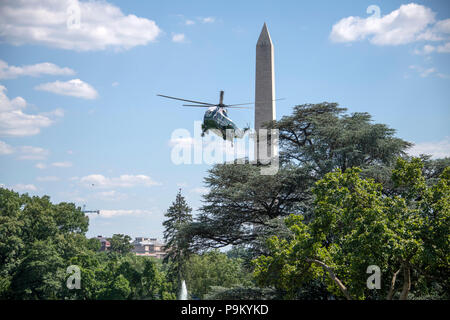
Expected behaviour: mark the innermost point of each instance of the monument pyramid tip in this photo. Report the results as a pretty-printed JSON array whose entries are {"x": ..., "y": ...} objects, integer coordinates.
[{"x": 264, "y": 37}]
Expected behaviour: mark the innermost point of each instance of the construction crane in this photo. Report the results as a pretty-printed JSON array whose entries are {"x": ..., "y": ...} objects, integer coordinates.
[{"x": 89, "y": 211}]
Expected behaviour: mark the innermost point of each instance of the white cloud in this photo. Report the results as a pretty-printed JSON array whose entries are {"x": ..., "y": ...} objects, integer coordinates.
[
  {"x": 443, "y": 75},
  {"x": 14, "y": 122},
  {"x": 24, "y": 187},
  {"x": 189, "y": 22},
  {"x": 115, "y": 213},
  {"x": 208, "y": 20},
  {"x": 5, "y": 148},
  {"x": 114, "y": 84},
  {"x": 35, "y": 70},
  {"x": 73, "y": 25},
  {"x": 409, "y": 23},
  {"x": 125, "y": 180},
  {"x": 442, "y": 26},
  {"x": 64, "y": 164},
  {"x": 437, "y": 149},
  {"x": 74, "y": 88},
  {"x": 40, "y": 165},
  {"x": 444, "y": 48},
  {"x": 427, "y": 49},
  {"x": 178, "y": 37},
  {"x": 55, "y": 113},
  {"x": 24, "y": 152},
  {"x": 111, "y": 195},
  {"x": 32, "y": 153},
  {"x": 425, "y": 72},
  {"x": 47, "y": 179}
]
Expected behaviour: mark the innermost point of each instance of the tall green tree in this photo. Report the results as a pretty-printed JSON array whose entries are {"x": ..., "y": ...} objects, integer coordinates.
[
  {"x": 324, "y": 138},
  {"x": 177, "y": 243},
  {"x": 242, "y": 205},
  {"x": 355, "y": 226}
]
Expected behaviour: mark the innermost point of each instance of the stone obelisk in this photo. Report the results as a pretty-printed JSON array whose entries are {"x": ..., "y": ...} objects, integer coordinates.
[{"x": 264, "y": 87}]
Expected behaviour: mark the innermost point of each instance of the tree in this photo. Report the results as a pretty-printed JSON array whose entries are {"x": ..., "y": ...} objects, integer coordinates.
[
  {"x": 214, "y": 269},
  {"x": 41, "y": 274},
  {"x": 244, "y": 207},
  {"x": 177, "y": 245},
  {"x": 323, "y": 138},
  {"x": 356, "y": 226},
  {"x": 120, "y": 243},
  {"x": 37, "y": 240},
  {"x": 242, "y": 204},
  {"x": 118, "y": 288}
]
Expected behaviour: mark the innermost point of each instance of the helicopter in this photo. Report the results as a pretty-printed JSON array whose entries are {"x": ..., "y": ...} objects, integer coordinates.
[{"x": 216, "y": 117}]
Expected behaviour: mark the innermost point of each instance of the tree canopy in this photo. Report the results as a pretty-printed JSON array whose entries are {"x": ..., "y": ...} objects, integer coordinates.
[
  {"x": 39, "y": 240},
  {"x": 356, "y": 226},
  {"x": 120, "y": 243}
]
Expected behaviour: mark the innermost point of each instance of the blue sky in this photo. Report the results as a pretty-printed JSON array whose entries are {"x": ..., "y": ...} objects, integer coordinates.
[{"x": 81, "y": 122}]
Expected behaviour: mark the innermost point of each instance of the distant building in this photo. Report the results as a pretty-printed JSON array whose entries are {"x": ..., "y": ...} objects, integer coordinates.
[
  {"x": 150, "y": 247},
  {"x": 105, "y": 244}
]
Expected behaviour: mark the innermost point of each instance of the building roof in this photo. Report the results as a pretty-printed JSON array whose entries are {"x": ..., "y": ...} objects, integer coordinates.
[{"x": 147, "y": 241}]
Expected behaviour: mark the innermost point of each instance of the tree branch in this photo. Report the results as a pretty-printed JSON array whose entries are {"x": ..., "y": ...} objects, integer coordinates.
[
  {"x": 391, "y": 289},
  {"x": 406, "y": 282},
  {"x": 332, "y": 276}
]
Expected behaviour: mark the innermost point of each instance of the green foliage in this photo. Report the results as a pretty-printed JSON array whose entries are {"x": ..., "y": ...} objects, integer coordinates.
[
  {"x": 241, "y": 293},
  {"x": 177, "y": 243},
  {"x": 39, "y": 240},
  {"x": 241, "y": 196},
  {"x": 356, "y": 226},
  {"x": 214, "y": 269},
  {"x": 394, "y": 214},
  {"x": 322, "y": 137},
  {"x": 120, "y": 243},
  {"x": 36, "y": 238}
]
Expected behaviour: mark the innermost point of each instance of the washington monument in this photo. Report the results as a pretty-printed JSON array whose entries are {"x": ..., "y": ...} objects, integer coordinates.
[{"x": 264, "y": 87}]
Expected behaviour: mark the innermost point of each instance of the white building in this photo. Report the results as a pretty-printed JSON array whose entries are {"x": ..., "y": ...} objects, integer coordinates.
[{"x": 150, "y": 247}]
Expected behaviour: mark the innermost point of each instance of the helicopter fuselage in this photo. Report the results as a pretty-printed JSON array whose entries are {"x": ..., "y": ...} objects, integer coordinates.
[{"x": 216, "y": 119}]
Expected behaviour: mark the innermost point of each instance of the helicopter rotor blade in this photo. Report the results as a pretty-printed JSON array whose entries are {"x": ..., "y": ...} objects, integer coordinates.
[
  {"x": 232, "y": 107},
  {"x": 199, "y": 105},
  {"x": 243, "y": 104},
  {"x": 204, "y": 103}
]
